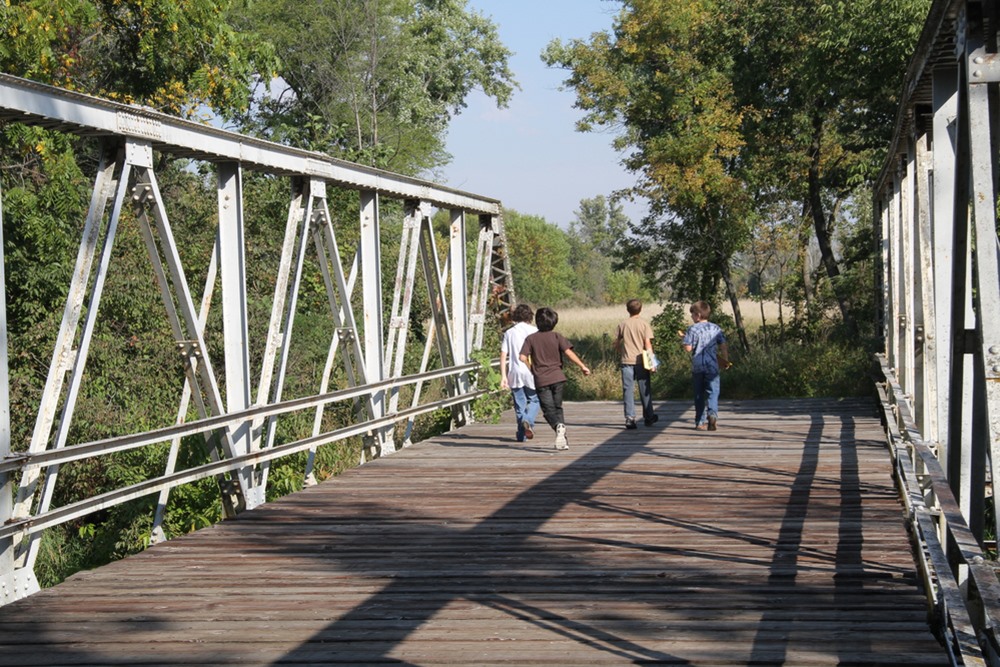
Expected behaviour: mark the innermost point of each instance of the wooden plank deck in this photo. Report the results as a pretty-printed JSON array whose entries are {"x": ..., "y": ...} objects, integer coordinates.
[{"x": 776, "y": 540}]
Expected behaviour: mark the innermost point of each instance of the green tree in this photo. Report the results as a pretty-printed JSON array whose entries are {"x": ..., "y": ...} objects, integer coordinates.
[
  {"x": 625, "y": 284},
  {"x": 539, "y": 259},
  {"x": 727, "y": 106},
  {"x": 377, "y": 81},
  {"x": 662, "y": 80},
  {"x": 595, "y": 239},
  {"x": 174, "y": 55},
  {"x": 600, "y": 224}
]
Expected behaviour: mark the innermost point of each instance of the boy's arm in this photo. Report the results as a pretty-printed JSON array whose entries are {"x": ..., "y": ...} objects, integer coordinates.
[
  {"x": 523, "y": 357},
  {"x": 683, "y": 336},
  {"x": 724, "y": 356},
  {"x": 503, "y": 369},
  {"x": 571, "y": 355}
]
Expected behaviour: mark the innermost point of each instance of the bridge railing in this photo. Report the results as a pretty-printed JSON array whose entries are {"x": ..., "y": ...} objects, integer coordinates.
[
  {"x": 237, "y": 411},
  {"x": 936, "y": 216}
]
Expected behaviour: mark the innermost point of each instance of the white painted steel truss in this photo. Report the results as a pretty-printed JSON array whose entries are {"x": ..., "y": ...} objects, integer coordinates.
[
  {"x": 240, "y": 425},
  {"x": 936, "y": 212}
]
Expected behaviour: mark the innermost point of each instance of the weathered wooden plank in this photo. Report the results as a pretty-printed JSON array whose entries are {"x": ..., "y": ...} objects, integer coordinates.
[{"x": 776, "y": 539}]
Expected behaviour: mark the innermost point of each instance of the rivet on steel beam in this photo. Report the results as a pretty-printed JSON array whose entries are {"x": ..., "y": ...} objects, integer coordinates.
[
  {"x": 979, "y": 60},
  {"x": 994, "y": 349},
  {"x": 978, "y": 73}
]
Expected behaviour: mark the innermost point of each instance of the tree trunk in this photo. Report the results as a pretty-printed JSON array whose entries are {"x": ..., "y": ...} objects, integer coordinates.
[
  {"x": 763, "y": 321},
  {"x": 735, "y": 303},
  {"x": 821, "y": 226},
  {"x": 805, "y": 272}
]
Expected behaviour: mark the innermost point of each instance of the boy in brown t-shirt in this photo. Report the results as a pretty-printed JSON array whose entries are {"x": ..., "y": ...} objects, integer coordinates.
[
  {"x": 633, "y": 336},
  {"x": 543, "y": 351}
]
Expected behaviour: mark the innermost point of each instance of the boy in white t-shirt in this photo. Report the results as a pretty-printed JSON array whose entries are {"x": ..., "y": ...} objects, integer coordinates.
[{"x": 515, "y": 374}]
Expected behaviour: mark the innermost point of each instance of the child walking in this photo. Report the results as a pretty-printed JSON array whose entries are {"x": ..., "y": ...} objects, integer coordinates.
[
  {"x": 707, "y": 345},
  {"x": 515, "y": 374},
  {"x": 633, "y": 336},
  {"x": 543, "y": 351}
]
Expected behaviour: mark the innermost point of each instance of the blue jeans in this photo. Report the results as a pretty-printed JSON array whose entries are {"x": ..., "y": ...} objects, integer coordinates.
[
  {"x": 706, "y": 390},
  {"x": 632, "y": 374},
  {"x": 525, "y": 408}
]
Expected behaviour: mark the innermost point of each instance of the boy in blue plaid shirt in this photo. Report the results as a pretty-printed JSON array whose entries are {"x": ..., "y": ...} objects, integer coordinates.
[{"x": 706, "y": 343}]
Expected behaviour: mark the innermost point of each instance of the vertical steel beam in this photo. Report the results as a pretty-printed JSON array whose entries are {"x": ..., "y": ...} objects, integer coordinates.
[
  {"x": 945, "y": 108},
  {"x": 987, "y": 265},
  {"x": 960, "y": 394},
  {"x": 925, "y": 388},
  {"x": 231, "y": 249},
  {"x": 908, "y": 253},
  {"x": 370, "y": 255},
  {"x": 895, "y": 274},
  {"x": 460, "y": 304},
  {"x": 883, "y": 206}
]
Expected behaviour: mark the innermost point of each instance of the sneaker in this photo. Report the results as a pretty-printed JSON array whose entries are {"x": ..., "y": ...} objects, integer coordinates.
[
  {"x": 630, "y": 424},
  {"x": 701, "y": 427},
  {"x": 561, "y": 437},
  {"x": 652, "y": 420},
  {"x": 712, "y": 419},
  {"x": 528, "y": 432}
]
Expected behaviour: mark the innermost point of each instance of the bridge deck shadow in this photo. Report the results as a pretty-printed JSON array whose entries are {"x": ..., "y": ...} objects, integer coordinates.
[{"x": 777, "y": 539}]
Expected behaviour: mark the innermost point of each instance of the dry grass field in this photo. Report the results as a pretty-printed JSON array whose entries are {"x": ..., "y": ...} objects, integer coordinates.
[{"x": 585, "y": 322}]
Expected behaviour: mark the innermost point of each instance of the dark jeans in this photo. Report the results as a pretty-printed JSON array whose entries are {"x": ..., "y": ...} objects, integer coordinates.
[{"x": 551, "y": 399}]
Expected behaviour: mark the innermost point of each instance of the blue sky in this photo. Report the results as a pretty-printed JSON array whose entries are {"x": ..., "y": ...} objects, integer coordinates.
[{"x": 529, "y": 155}]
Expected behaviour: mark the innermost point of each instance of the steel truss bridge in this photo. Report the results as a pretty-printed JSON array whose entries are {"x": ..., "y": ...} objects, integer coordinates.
[
  {"x": 939, "y": 277},
  {"x": 236, "y": 411},
  {"x": 936, "y": 217}
]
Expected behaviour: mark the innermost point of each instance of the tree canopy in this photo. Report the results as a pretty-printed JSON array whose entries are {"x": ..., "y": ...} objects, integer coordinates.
[
  {"x": 539, "y": 259},
  {"x": 727, "y": 108},
  {"x": 174, "y": 55},
  {"x": 377, "y": 81}
]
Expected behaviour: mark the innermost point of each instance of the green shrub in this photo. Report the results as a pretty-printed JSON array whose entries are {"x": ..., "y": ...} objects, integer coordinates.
[{"x": 789, "y": 369}]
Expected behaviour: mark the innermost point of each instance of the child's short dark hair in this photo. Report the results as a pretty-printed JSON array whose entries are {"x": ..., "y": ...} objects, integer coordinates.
[
  {"x": 634, "y": 306},
  {"x": 702, "y": 308},
  {"x": 546, "y": 319},
  {"x": 522, "y": 313}
]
